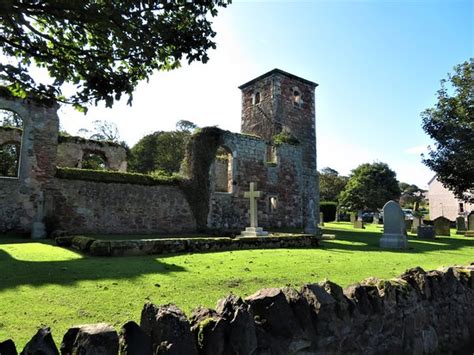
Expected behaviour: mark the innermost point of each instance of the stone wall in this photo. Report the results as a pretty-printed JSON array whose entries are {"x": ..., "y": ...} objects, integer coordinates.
[
  {"x": 418, "y": 313},
  {"x": 281, "y": 180},
  {"x": 10, "y": 135},
  {"x": 99, "y": 207},
  {"x": 71, "y": 151},
  {"x": 21, "y": 196}
]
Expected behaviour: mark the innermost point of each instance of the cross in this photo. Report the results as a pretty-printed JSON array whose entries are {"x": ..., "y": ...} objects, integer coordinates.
[{"x": 252, "y": 195}]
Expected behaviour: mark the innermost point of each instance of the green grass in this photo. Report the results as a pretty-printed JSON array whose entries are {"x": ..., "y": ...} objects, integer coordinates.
[{"x": 42, "y": 284}]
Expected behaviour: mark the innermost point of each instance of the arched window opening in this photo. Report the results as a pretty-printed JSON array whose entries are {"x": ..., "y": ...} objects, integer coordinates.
[
  {"x": 271, "y": 154},
  {"x": 223, "y": 170},
  {"x": 297, "y": 100},
  {"x": 11, "y": 131},
  {"x": 94, "y": 161},
  {"x": 256, "y": 98}
]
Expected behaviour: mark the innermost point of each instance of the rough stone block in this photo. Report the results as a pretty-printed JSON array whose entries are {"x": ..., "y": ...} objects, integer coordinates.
[
  {"x": 41, "y": 343},
  {"x": 90, "y": 339}
]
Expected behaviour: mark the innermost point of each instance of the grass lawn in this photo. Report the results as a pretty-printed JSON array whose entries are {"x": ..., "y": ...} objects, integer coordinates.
[{"x": 42, "y": 284}]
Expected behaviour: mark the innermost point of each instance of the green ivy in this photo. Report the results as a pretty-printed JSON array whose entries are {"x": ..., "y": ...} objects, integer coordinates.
[
  {"x": 117, "y": 177},
  {"x": 285, "y": 137}
]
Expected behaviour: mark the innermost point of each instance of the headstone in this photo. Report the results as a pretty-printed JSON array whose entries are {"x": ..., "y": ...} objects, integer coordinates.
[
  {"x": 441, "y": 226},
  {"x": 38, "y": 230},
  {"x": 417, "y": 221},
  {"x": 408, "y": 224},
  {"x": 254, "y": 230},
  {"x": 470, "y": 225},
  {"x": 425, "y": 232},
  {"x": 395, "y": 234},
  {"x": 358, "y": 224},
  {"x": 460, "y": 225},
  {"x": 311, "y": 225},
  {"x": 353, "y": 217},
  {"x": 337, "y": 215},
  {"x": 321, "y": 219},
  {"x": 359, "y": 215},
  {"x": 376, "y": 218}
]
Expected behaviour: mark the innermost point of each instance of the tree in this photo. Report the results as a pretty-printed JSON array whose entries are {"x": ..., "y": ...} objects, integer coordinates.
[
  {"x": 158, "y": 152},
  {"x": 331, "y": 184},
  {"x": 10, "y": 119},
  {"x": 185, "y": 126},
  {"x": 102, "y": 49},
  {"x": 104, "y": 131},
  {"x": 410, "y": 194},
  {"x": 451, "y": 124},
  {"x": 370, "y": 186}
]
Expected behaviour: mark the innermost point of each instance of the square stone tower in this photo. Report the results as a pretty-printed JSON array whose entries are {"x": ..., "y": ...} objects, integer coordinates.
[{"x": 277, "y": 102}]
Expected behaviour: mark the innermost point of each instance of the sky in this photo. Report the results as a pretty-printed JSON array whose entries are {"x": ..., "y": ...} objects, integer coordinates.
[{"x": 378, "y": 64}]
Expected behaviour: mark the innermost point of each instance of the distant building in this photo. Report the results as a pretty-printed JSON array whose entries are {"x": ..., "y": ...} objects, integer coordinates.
[{"x": 443, "y": 202}]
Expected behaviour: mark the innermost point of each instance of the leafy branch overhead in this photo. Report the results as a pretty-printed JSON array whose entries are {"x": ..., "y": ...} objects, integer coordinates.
[
  {"x": 102, "y": 49},
  {"x": 450, "y": 123}
]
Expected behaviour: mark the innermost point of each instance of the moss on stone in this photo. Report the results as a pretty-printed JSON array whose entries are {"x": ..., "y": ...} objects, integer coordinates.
[{"x": 202, "y": 326}]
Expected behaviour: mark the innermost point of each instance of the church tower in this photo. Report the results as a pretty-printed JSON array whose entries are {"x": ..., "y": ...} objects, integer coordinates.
[{"x": 276, "y": 103}]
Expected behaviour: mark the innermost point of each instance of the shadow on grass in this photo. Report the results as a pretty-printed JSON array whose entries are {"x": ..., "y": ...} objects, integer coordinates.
[
  {"x": 16, "y": 272},
  {"x": 359, "y": 240}
]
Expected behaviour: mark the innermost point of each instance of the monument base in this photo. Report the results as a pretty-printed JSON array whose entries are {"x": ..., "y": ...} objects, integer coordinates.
[
  {"x": 394, "y": 241},
  {"x": 253, "y": 232},
  {"x": 469, "y": 233},
  {"x": 38, "y": 231}
]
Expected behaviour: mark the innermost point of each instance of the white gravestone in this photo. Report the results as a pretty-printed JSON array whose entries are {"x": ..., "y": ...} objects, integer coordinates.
[
  {"x": 395, "y": 233},
  {"x": 254, "y": 230}
]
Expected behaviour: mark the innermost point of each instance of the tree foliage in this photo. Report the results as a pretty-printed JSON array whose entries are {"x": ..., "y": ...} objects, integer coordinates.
[
  {"x": 10, "y": 119},
  {"x": 104, "y": 131},
  {"x": 451, "y": 124},
  {"x": 103, "y": 49},
  {"x": 370, "y": 186},
  {"x": 158, "y": 152},
  {"x": 331, "y": 184}
]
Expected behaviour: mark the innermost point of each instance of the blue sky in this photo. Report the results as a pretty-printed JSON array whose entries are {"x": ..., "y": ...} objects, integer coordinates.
[{"x": 378, "y": 65}]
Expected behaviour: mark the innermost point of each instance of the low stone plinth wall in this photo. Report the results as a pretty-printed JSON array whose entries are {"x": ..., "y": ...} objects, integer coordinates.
[
  {"x": 418, "y": 313},
  {"x": 191, "y": 245}
]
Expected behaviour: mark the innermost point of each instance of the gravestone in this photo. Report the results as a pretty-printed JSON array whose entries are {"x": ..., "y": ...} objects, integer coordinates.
[
  {"x": 417, "y": 221},
  {"x": 470, "y": 225},
  {"x": 38, "y": 230},
  {"x": 408, "y": 224},
  {"x": 441, "y": 226},
  {"x": 460, "y": 225},
  {"x": 353, "y": 217},
  {"x": 395, "y": 233},
  {"x": 376, "y": 218},
  {"x": 358, "y": 224},
  {"x": 321, "y": 219},
  {"x": 254, "y": 230},
  {"x": 426, "y": 232}
]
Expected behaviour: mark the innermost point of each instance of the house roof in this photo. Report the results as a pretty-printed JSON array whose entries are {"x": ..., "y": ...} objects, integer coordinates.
[{"x": 276, "y": 71}]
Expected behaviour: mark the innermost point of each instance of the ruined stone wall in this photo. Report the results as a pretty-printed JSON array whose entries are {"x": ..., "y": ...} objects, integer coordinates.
[
  {"x": 71, "y": 151},
  {"x": 99, "y": 207},
  {"x": 281, "y": 180},
  {"x": 20, "y": 196},
  {"x": 10, "y": 135},
  {"x": 418, "y": 313}
]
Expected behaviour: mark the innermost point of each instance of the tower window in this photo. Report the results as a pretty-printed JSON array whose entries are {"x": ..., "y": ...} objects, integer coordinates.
[
  {"x": 256, "y": 98},
  {"x": 297, "y": 100}
]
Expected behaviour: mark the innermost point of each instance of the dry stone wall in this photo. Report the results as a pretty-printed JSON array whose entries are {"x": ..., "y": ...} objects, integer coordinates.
[
  {"x": 98, "y": 207},
  {"x": 418, "y": 313}
]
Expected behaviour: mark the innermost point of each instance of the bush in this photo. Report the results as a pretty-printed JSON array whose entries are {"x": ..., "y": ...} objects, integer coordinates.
[
  {"x": 328, "y": 208},
  {"x": 117, "y": 177}
]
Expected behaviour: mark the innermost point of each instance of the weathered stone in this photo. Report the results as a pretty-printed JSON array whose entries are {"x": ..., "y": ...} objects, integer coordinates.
[
  {"x": 134, "y": 341},
  {"x": 41, "y": 343},
  {"x": 93, "y": 339},
  {"x": 426, "y": 232},
  {"x": 82, "y": 243},
  {"x": 417, "y": 221},
  {"x": 460, "y": 225},
  {"x": 358, "y": 224},
  {"x": 8, "y": 347},
  {"x": 442, "y": 226},
  {"x": 169, "y": 330},
  {"x": 470, "y": 225},
  {"x": 395, "y": 234}
]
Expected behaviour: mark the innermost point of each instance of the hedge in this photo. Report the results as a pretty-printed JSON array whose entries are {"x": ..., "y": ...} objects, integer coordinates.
[
  {"x": 328, "y": 208},
  {"x": 116, "y": 177}
]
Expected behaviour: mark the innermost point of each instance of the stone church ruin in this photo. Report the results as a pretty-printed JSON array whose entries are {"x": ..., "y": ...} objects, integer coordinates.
[{"x": 276, "y": 149}]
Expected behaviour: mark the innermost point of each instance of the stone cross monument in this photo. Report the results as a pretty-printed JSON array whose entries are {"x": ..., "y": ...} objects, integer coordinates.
[
  {"x": 38, "y": 230},
  {"x": 254, "y": 230}
]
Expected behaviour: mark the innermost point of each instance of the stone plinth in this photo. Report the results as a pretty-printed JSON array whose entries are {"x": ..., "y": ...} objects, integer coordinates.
[
  {"x": 38, "y": 231},
  {"x": 253, "y": 232}
]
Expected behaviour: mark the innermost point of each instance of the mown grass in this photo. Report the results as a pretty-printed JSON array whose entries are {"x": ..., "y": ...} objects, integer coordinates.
[{"x": 42, "y": 284}]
